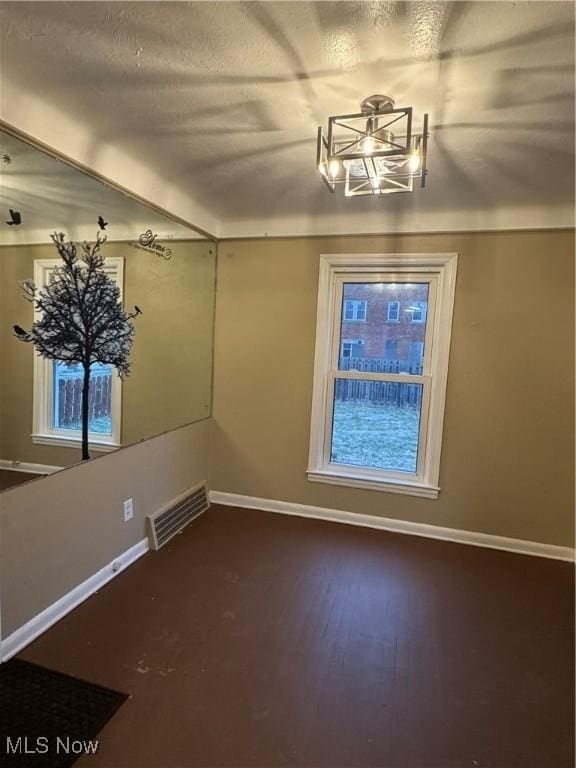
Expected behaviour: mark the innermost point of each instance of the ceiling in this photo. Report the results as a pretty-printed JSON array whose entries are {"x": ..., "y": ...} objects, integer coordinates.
[
  {"x": 51, "y": 195},
  {"x": 214, "y": 106}
]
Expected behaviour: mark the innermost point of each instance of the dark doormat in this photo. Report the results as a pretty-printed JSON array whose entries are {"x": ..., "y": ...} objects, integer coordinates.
[{"x": 47, "y": 719}]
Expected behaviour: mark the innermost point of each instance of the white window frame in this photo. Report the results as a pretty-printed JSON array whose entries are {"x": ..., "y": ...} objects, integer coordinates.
[
  {"x": 439, "y": 270},
  {"x": 423, "y": 307},
  {"x": 355, "y": 304},
  {"x": 42, "y": 431},
  {"x": 396, "y": 305},
  {"x": 345, "y": 342}
]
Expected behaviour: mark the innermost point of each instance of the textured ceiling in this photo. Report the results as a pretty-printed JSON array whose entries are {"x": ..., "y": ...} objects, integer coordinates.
[
  {"x": 222, "y": 100},
  {"x": 53, "y": 196}
]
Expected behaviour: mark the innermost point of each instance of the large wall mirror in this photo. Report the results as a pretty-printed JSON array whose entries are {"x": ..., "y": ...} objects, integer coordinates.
[{"x": 161, "y": 265}]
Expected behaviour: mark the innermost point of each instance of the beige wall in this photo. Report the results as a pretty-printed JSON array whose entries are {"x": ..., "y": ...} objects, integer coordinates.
[
  {"x": 171, "y": 379},
  {"x": 507, "y": 459},
  {"x": 58, "y": 531}
]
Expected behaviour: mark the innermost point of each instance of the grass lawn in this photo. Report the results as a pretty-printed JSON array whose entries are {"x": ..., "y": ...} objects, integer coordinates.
[
  {"x": 102, "y": 425},
  {"x": 380, "y": 436}
]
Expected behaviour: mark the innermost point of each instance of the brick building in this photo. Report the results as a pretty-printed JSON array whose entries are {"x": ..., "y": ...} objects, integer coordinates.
[{"x": 384, "y": 320}]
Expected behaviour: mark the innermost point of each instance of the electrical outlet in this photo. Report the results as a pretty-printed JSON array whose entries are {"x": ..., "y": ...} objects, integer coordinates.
[{"x": 128, "y": 510}]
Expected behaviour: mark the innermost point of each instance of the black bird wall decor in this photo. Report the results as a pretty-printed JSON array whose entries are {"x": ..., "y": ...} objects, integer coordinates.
[
  {"x": 16, "y": 218},
  {"x": 101, "y": 223}
]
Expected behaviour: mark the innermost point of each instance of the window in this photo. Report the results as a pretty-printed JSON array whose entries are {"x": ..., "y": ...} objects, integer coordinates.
[
  {"x": 393, "y": 311},
  {"x": 376, "y": 422},
  {"x": 416, "y": 352},
  {"x": 354, "y": 310},
  {"x": 58, "y": 388},
  {"x": 391, "y": 349},
  {"x": 346, "y": 349},
  {"x": 351, "y": 348},
  {"x": 417, "y": 311}
]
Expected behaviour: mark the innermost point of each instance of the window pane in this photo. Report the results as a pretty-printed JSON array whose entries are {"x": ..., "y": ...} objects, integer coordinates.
[
  {"x": 67, "y": 389},
  {"x": 376, "y": 424},
  {"x": 393, "y": 311},
  {"x": 354, "y": 310},
  {"x": 391, "y": 339},
  {"x": 418, "y": 310}
]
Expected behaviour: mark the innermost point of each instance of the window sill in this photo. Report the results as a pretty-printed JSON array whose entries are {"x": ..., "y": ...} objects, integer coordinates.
[
  {"x": 373, "y": 484},
  {"x": 70, "y": 442}
]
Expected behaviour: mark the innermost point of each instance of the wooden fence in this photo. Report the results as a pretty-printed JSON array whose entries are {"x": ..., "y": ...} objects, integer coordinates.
[
  {"x": 68, "y": 401},
  {"x": 378, "y": 392}
]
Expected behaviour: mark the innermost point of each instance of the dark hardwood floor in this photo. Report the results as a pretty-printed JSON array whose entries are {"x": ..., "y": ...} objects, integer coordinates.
[{"x": 257, "y": 639}]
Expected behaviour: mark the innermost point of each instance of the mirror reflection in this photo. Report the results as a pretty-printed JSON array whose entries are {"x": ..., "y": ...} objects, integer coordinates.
[{"x": 157, "y": 275}]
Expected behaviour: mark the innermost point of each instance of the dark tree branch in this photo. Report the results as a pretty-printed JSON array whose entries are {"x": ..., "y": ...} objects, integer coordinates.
[{"x": 81, "y": 316}]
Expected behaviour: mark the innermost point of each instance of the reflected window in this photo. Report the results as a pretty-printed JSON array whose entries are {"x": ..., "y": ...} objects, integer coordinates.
[{"x": 58, "y": 387}]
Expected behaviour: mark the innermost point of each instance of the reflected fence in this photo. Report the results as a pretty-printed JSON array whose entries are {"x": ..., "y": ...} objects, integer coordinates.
[
  {"x": 399, "y": 394},
  {"x": 68, "y": 396}
]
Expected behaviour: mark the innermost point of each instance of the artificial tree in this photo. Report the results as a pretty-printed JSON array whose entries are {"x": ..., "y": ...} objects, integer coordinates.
[{"x": 81, "y": 318}]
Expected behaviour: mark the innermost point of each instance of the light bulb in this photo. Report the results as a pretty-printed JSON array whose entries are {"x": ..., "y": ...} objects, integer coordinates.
[
  {"x": 369, "y": 145},
  {"x": 414, "y": 162},
  {"x": 334, "y": 168}
]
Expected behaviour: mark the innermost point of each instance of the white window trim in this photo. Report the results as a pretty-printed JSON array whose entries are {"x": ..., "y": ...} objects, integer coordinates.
[
  {"x": 42, "y": 432},
  {"x": 440, "y": 269},
  {"x": 346, "y": 341}
]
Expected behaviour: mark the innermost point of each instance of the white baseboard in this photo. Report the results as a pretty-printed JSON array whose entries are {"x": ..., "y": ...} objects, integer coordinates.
[
  {"x": 23, "y": 466},
  {"x": 397, "y": 526},
  {"x": 44, "y": 620}
]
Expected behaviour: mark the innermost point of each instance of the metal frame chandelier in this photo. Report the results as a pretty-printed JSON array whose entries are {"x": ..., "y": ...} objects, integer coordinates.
[{"x": 373, "y": 152}]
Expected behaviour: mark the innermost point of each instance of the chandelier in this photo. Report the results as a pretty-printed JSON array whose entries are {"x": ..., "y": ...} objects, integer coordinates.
[{"x": 373, "y": 152}]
